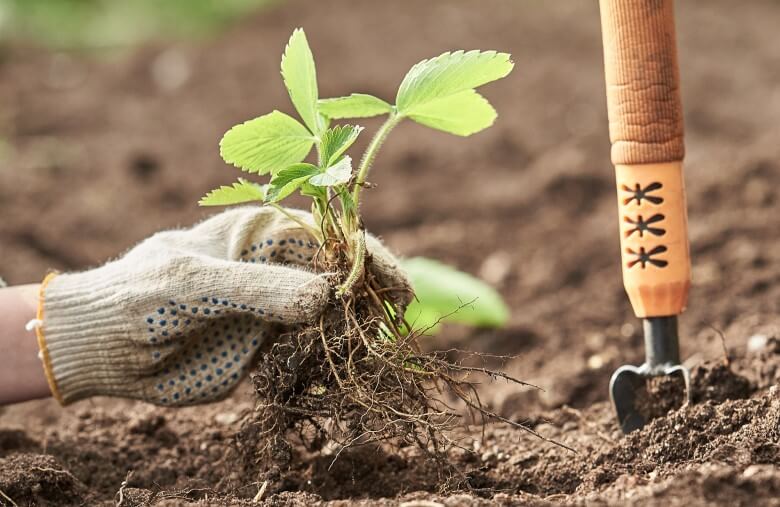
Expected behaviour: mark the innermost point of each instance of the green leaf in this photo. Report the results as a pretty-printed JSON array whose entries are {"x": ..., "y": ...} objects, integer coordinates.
[
  {"x": 337, "y": 174},
  {"x": 462, "y": 114},
  {"x": 357, "y": 105},
  {"x": 289, "y": 179},
  {"x": 300, "y": 78},
  {"x": 310, "y": 190},
  {"x": 336, "y": 140},
  {"x": 278, "y": 193},
  {"x": 442, "y": 290},
  {"x": 266, "y": 144},
  {"x": 293, "y": 172},
  {"x": 240, "y": 192},
  {"x": 448, "y": 74}
]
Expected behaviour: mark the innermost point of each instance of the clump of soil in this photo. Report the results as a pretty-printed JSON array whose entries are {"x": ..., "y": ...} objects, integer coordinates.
[
  {"x": 711, "y": 381},
  {"x": 716, "y": 381},
  {"x": 660, "y": 395},
  {"x": 37, "y": 479}
]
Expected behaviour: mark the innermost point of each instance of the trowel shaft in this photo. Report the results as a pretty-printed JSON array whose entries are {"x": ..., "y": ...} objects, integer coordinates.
[{"x": 661, "y": 342}]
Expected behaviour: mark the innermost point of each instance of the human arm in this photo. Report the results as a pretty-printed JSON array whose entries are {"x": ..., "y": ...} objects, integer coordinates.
[{"x": 21, "y": 374}]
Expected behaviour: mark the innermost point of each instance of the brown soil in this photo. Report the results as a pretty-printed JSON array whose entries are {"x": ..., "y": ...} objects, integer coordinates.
[{"x": 103, "y": 151}]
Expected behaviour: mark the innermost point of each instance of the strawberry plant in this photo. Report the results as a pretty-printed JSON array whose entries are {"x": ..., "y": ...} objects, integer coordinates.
[{"x": 360, "y": 367}]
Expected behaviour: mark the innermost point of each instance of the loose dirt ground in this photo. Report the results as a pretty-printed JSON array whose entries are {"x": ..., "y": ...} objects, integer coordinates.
[{"x": 100, "y": 152}]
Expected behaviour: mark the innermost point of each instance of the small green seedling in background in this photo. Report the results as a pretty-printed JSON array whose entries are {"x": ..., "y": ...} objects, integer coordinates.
[
  {"x": 446, "y": 294},
  {"x": 439, "y": 93}
]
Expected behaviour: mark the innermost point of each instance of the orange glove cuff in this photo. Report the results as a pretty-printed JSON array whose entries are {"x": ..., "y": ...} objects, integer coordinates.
[{"x": 45, "y": 358}]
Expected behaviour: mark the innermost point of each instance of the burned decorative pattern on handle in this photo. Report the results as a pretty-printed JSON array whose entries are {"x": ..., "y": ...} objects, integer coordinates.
[
  {"x": 645, "y": 228},
  {"x": 643, "y": 257},
  {"x": 653, "y": 237},
  {"x": 641, "y": 225},
  {"x": 638, "y": 193}
]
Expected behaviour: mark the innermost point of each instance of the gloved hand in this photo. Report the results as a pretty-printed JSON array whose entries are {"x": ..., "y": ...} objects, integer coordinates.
[{"x": 178, "y": 318}]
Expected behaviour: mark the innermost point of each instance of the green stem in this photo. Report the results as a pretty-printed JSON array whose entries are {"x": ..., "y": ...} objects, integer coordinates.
[
  {"x": 358, "y": 263},
  {"x": 370, "y": 155}
]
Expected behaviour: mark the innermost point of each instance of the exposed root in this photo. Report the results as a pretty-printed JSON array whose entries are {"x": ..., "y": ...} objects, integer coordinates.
[
  {"x": 357, "y": 377},
  {"x": 1, "y": 491}
]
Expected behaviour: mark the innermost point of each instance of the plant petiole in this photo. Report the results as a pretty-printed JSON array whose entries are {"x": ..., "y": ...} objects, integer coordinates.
[
  {"x": 368, "y": 157},
  {"x": 358, "y": 263}
]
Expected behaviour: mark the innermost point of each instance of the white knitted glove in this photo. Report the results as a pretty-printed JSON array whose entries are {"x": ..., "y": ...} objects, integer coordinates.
[{"x": 178, "y": 318}]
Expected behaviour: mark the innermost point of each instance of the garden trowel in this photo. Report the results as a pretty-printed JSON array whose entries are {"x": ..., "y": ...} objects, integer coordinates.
[{"x": 646, "y": 132}]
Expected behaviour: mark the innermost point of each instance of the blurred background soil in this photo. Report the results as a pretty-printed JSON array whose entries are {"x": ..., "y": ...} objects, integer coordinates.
[{"x": 101, "y": 147}]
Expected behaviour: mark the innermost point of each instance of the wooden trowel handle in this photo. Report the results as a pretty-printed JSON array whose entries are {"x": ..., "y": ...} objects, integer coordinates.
[
  {"x": 643, "y": 81},
  {"x": 646, "y": 131}
]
